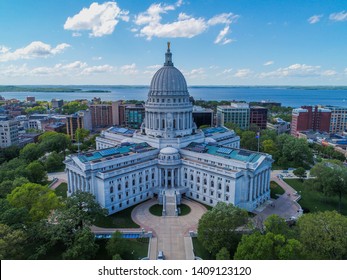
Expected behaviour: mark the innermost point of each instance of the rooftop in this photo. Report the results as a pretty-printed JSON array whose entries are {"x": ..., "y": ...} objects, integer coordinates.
[
  {"x": 214, "y": 130},
  {"x": 124, "y": 149},
  {"x": 122, "y": 131},
  {"x": 226, "y": 152}
]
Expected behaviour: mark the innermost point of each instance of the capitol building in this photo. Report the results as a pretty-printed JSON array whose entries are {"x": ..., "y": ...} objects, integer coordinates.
[{"x": 170, "y": 158}]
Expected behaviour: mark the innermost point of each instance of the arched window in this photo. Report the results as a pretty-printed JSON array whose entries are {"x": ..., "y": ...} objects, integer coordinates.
[
  {"x": 163, "y": 124},
  {"x": 174, "y": 123},
  {"x": 205, "y": 181},
  {"x": 146, "y": 178},
  {"x": 111, "y": 190},
  {"x": 119, "y": 187},
  {"x": 126, "y": 185},
  {"x": 185, "y": 175},
  {"x": 133, "y": 182},
  {"x": 198, "y": 179},
  {"x": 140, "y": 180},
  {"x": 191, "y": 177},
  {"x": 227, "y": 188},
  {"x": 212, "y": 184}
]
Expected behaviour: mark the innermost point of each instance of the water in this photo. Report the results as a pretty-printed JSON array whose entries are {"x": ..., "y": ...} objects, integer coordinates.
[{"x": 288, "y": 96}]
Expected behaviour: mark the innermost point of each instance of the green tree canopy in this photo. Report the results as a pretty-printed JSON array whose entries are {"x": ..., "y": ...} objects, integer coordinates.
[
  {"x": 11, "y": 243},
  {"x": 37, "y": 199},
  {"x": 218, "y": 227},
  {"x": 223, "y": 254},
  {"x": 331, "y": 179},
  {"x": 117, "y": 245},
  {"x": 300, "y": 172},
  {"x": 36, "y": 172},
  {"x": 31, "y": 152},
  {"x": 269, "y": 246},
  {"x": 323, "y": 235},
  {"x": 83, "y": 246}
]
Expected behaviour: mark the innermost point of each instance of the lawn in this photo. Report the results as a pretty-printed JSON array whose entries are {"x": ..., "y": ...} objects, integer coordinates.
[
  {"x": 156, "y": 210},
  {"x": 61, "y": 190},
  {"x": 314, "y": 201},
  {"x": 200, "y": 251},
  {"x": 120, "y": 219},
  {"x": 275, "y": 190}
]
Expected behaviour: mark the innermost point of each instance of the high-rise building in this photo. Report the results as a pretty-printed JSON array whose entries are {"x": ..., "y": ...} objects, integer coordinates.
[
  {"x": 169, "y": 157},
  {"x": 102, "y": 115},
  {"x": 8, "y": 133},
  {"x": 202, "y": 116},
  {"x": 236, "y": 113},
  {"x": 134, "y": 116},
  {"x": 310, "y": 118},
  {"x": 338, "y": 120},
  {"x": 258, "y": 116},
  {"x": 81, "y": 119}
]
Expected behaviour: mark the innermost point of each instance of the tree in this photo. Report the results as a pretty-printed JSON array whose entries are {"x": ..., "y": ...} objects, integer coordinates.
[
  {"x": 54, "y": 162},
  {"x": 81, "y": 134},
  {"x": 83, "y": 246},
  {"x": 37, "y": 199},
  {"x": 73, "y": 106},
  {"x": 53, "y": 141},
  {"x": 249, "y": 141},
  {"x": 323, "y": 235},
  {"x": 11, "y": 243},
  {"x": 269, "y": 246},
  {"x": 16, "y": 218},
  {"x": 276, "y": 225},
  {"x": 36, "y": 172},
  {"x": 117, "y": 245},
  {"x": 269, "y": 147},
  {"x": 331, "y": 179},
  {"x": 9, "y": 153},
  {"x": 218, "y": 227},
  {"x": 31, "y": 152},
  {"x": 80, "y": 210},
  {"x": 300, "y": 172},
  {"x": 223, "y": 254}
]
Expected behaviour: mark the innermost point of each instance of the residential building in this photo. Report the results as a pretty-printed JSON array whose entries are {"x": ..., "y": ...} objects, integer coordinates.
[
  {"x": 310, "y": 118},
  {"x": 81, "y": 119},
  {"x": 102, "y": 115},
  {"x": 338, "y": 120},
  {"x": 134, "y": 116},
  {"x": 57, "y": 103},
  {"x": 8, "y": 133}
]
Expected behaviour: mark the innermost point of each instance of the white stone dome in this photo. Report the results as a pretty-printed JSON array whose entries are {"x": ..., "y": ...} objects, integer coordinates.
[{"x": 169, "y": 151}]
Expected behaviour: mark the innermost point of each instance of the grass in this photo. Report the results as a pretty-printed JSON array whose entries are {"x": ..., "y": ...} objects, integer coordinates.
[
  {"x": 156, "y": 210},
  {"x": 200, "y": 251},
  {"x": 314, "y": 201},
  {"x": 185, "y": 209},
  {"x": 120, "y": 219},
  {"x": 61, "y": 190},
  {"x": 275, "y": 190}
]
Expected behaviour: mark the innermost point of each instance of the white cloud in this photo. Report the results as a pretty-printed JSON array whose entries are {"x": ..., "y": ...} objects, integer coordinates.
[
  {"x": 76, "y": 34},
  {"x": 294, "y": 70},
  {"x": 4, "y": 49},
  {"x": 98, "y": 69},
  {"x": 329, "y": 73},
  {"x": 195, "y": 73},
  {"x": 35, "y": 49},
  {"x": 341, "y": 16},
  {"x": 242, "y": 73},
  {"x": 185, "y": 26},
  {"x": 267, "y": 63},
  {"x": 97, "y": 57},
  {"x": 221, "y": 36},
  {"x": 227, "y": 71},
  {"x": 129, "y": 69},
  {"x": 155, "y": 67},
  {"x": 314, "y": 19},
  {"x": 100, "y": 19}
]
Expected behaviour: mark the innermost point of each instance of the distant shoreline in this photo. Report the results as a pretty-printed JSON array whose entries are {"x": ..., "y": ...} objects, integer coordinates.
[{"x": 98, "y": 88}]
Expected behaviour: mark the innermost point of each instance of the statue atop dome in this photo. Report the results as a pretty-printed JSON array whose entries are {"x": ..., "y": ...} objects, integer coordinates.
[{"x": 168, "y": 56}]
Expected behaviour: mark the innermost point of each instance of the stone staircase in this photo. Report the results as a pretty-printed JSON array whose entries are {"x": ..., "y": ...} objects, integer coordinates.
[{"x": 170, "y": 203}]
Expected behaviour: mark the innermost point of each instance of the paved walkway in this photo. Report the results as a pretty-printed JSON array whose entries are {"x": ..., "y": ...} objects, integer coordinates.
[
  {"x": 169, "y": 232},
  {"x": 285, "y": 206},
  {"x": 61, "y": 176}
]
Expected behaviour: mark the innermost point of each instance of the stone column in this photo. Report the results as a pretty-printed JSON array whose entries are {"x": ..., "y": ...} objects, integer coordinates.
[
  {"x": 251, "y": 188},
  {"x": 165, "y": 172}
]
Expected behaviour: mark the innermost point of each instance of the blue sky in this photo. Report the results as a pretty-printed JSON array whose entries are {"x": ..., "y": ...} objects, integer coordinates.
[{"x": 214, "y": 42}]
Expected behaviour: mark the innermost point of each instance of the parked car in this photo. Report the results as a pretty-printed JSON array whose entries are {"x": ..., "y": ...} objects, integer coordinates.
[{"x": 161, "y": 255}]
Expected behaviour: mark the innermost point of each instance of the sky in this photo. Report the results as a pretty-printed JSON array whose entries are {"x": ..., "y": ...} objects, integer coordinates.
[{"x": 214, "y": 42}]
